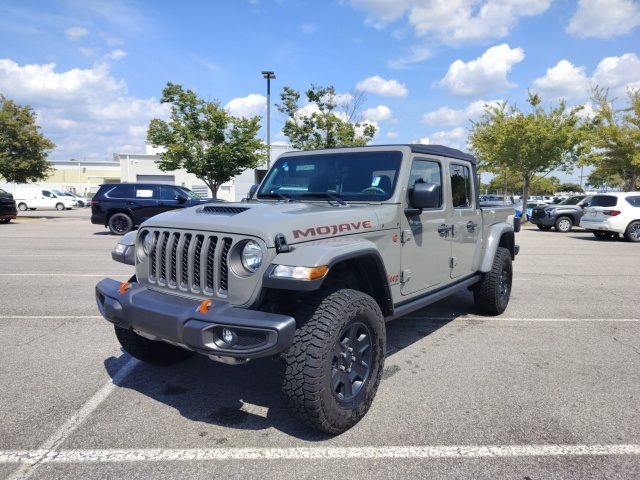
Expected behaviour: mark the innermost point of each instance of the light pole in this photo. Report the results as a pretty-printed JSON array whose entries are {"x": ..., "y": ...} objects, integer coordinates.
[{"x": 268, "y": 75}]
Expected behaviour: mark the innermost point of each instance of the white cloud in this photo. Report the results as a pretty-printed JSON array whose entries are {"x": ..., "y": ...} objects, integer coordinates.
[
  {"x": 566, "y": 80},
  {"x": 308, "y": 28},
  {"x": 453, "y": 21},
  {"x": 604, "y": 18},
  {"x": 392, "y": 134},
  {"x": 380, "y": 86},
  {"x": 249, "y": 106},
  {"x": 86, "y": 112},
  {"x": 455, "y": 138},
  {"x": 416, "y": 54},
  {"x": 377, "y": 114},
  {"x": 446, "y": 116},
  {"x": 76, "y": 33},
  {"x": 485, "y": 74}
]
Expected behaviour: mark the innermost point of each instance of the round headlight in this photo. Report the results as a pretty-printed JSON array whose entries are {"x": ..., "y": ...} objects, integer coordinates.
[
  {"x": 251, "y": 256},
  {"x": 148, "y": 242}
]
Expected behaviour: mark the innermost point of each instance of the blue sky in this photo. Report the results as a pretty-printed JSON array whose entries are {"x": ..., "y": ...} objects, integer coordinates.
[{"x": 94, "y": 70}]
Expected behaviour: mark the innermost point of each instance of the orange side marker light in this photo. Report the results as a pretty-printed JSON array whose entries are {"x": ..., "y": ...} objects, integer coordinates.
[
  {"x": 124, "y": 286},
  {"x": 204, "y": 306}
]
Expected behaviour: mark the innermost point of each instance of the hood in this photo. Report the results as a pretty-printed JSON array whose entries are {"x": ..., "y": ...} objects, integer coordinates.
[{"x": 298, "y": 221}]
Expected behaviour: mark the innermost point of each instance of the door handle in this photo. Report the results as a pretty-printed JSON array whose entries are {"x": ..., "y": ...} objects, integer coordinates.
[
  {"x": 471, "y": 227},
  {"x": 443, "y": 230}
]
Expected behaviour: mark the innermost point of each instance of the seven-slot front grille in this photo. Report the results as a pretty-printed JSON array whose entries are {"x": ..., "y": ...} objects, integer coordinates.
[{"x": 190, "y": 262}]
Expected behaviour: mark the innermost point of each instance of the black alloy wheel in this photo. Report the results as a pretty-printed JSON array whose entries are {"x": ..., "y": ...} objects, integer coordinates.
[{"x": 351, "y": 362}]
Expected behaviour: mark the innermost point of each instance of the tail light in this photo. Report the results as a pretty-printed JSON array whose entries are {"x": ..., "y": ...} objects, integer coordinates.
[{"x": 611, "y": 213}]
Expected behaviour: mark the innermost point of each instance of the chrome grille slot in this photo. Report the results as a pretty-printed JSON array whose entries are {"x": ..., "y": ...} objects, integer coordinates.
[
  {"x": 224, "y": 266},
  {"x": 194, "y": 263}
]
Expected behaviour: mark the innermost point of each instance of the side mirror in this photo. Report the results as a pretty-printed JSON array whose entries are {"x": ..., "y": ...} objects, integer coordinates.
[
  {"x": 252, "y": 191},
  {"x": 425, "y": 195},
  {"x": 182, "y": 198}
]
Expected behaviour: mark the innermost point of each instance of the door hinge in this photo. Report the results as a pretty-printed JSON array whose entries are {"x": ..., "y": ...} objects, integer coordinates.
[
  {"x": 405, "y": 275},
  {"x": 453, "y": 262},
  {"x": 405, "y": 236}
]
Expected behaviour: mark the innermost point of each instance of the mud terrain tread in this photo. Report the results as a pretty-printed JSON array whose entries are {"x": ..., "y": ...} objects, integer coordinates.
[
  {"x": 320, "y": 319},
  {"x": 486, "y": 293}
]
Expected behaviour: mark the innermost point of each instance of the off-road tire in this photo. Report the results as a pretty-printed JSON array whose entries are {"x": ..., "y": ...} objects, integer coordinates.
[
  {"x": 150, "y": 351},
  {"x": 309, "y": 364},
  {"x": 492, "y": 293},
  {"x": 544, "y": 228},
  {"x": 120, "y": 223},
  {"x": 4, "y": 220},
  {"x": 22, "y": 207},
  {"x": 564, "y": 224},
  {"x": 60, "y": 206},
  {"x": 632, "y": 233}
]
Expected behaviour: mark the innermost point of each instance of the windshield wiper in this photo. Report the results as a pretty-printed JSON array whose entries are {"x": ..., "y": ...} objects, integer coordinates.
[
  {"x": 329, "y": 196},
  {"x": 275, "y": 195}
]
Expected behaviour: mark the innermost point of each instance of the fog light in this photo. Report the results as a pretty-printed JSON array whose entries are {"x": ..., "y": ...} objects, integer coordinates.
[{"x": 228, "y": 336}]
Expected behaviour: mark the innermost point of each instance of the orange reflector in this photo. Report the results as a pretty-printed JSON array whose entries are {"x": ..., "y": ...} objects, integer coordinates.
[
  {"x": 318, "y": 272},
  {"x": 204, "y": 306},
  {"x": 124, "y": 286}
]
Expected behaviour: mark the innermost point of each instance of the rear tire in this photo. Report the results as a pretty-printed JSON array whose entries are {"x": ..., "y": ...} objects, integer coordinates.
[
  {"x": 334, "y": 366},
  {"x": 632, "y": 233},
  {"x": 564, "y": 224},
  {"x": 544, "y": 228},
  {"x": 60, "y": 206},
  {"x": 22, "y": 207},
  {"x": 120, "y": 223},
  {"x": 492, "y": 293},
  {"x": 150, "y": 351}
]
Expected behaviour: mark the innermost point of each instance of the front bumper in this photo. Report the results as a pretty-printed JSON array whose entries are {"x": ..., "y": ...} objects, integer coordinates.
[
  {"x": 176, "y": 320},
  {"x": 546, "y": 220}
]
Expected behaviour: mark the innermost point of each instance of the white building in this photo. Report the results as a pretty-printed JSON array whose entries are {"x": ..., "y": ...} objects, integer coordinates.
[{"x": 142, "y": 167}]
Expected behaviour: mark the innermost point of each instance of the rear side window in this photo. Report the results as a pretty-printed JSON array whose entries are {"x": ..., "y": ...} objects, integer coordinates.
[
  {"x": 119, "y": 191},
  {"x": 461, "y": 190},
  {"x": 634, "y": 201},
  {"x": 145, "y": 191},
  {"x": 603, "y": 201}
]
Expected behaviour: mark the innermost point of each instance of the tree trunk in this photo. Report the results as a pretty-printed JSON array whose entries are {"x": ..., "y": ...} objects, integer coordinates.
[
  {"x": 213, "y": 186},
  {"x": 525, "y": 198}
]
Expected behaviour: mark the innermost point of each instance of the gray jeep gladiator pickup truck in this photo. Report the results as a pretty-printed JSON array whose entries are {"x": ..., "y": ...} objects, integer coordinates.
[{"x": 332, "y": 244}]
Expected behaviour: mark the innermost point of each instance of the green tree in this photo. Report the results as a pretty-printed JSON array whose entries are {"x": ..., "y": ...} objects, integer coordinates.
[
  {"x": 527, "y": 143},
  {"x": 23, "y": 149},
  {"x": 569, "y": 187},
  {"x": 334, "y": 124},
  {"x": 601, "y": 180},
  {"x": 204, "y": 139},
  {"x": 539, "y": 185},
  {"x": 615, "y": 139}
]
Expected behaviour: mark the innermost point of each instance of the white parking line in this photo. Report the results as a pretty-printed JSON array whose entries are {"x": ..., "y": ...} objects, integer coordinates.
[
  {"x": 50, "y": 445},
  {"x": 31, "y": 457}
]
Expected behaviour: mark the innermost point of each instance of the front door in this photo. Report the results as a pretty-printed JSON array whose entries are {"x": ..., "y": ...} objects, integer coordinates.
[
  {"x": 425, "y": 251},
  {"x": 466, "y": 219}
]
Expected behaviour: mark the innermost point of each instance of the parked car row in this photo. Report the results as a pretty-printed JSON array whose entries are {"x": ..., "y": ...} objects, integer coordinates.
[
  {"x": 605, "y": 215},
  {"x": 123, "y": 206}
]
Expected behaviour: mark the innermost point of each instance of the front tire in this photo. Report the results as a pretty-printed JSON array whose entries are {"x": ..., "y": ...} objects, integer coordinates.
[
  {"x": 492, "y": 293},
  {"x": 632, "y": 233},
  {"x": 22, "y": 207},
  {"x": 564, "y": 224},
  {"x": 120, "y": 223},
  {"x": 334, "y": 366},
  {"x": 150, "y": 351},
  {"x": 544, "y": 228},
  {"x": 60, "y": 206}
]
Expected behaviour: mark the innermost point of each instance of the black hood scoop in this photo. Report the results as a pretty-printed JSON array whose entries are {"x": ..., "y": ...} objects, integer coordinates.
[{"x": 222, "y": 210}]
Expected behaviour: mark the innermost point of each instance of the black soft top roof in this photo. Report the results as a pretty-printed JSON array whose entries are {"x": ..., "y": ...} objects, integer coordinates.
[{"x": 441, "y": 150}]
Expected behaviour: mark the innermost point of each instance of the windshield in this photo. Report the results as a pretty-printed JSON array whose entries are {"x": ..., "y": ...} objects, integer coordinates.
[
  {"x": 357, "y": 176},
  {"x": 571, "y": 201},
  {"x": 2, "y": 191},
  {"x": 190, "y": 194}
]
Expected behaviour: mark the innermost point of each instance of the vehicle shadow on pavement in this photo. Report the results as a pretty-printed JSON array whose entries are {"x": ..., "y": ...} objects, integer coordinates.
[{"x": 248, "y": 396}]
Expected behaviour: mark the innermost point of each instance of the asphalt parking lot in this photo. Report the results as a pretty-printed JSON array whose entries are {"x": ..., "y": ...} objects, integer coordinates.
[{"x": 551, "y": 389}]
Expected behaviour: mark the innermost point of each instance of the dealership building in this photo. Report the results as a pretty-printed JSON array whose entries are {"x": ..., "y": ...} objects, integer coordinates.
[{"x": 85, "y": 177}]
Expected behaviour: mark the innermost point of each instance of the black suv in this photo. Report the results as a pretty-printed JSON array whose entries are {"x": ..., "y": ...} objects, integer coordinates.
[
  {"x": 7, "y": 207},
  {"x": 123, "y": 206},
  {"x": 564, "y": 215}
]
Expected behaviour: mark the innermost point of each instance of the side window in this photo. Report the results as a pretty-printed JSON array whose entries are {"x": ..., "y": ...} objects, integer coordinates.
[
  {"x": 426, "y": 171},
  {"x": 634, "y": 201},
  {"x": 120, "y": 191},
  {"x": 170, "y": 193},
  {"x": 461, "y": 189},
  {"x": 47, "y": 193}
]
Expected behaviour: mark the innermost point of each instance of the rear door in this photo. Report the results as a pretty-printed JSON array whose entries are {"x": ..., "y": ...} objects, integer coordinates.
[
  {"x": 466, "y": 218},
  {"x": 146, "y": 202}
]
